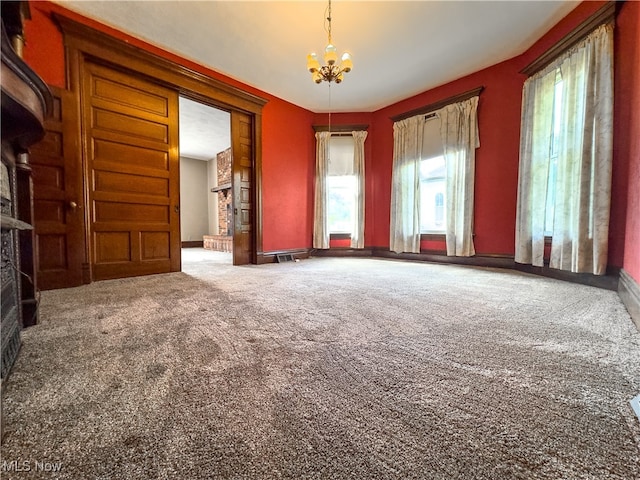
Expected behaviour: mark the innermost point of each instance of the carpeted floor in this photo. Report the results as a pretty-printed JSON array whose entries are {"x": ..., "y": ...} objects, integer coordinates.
[{"x": 326, "y": 368}]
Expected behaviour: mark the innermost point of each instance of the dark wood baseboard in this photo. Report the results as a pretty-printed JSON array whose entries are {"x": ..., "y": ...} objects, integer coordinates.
[
  {"x": 492, "y": 261},
  {"x": 341, "y": 252},
  {"x": 193, "y": 244},
  {"x": 272, "y": 257},
  {"x": 608, "y": 281},
  {"x": 616, "y": 279},
  {"x": 629, "y": 292}
]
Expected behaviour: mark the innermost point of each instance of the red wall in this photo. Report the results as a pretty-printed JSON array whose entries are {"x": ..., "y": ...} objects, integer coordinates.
[
  {"x": 288, "y": 171},
  {"x": 287, "y": 143},
  {"x": 499, "y": 126},
  {"x": 627, "y": 127}
]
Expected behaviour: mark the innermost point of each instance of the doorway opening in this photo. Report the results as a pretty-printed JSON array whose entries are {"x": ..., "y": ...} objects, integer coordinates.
[{"x": 206, "y": 197}]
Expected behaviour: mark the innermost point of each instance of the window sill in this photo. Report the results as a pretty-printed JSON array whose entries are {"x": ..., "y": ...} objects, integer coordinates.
[
  {"x": 443, "y": 236},
  {"x": 339, "y": 236},
  {"x": 433, "y": 236}
]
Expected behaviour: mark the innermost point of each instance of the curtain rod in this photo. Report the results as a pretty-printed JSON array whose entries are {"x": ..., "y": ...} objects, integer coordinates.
[
  {"x": 438, "y": 105},
  {"x": 605, "y": 14},
  {"x": 336, "y": 129}
]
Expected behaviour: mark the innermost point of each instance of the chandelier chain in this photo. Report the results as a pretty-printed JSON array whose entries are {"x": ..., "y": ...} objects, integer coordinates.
[
  {"x": 329, "y": 109},
  {"x": 328, "y": 28}
]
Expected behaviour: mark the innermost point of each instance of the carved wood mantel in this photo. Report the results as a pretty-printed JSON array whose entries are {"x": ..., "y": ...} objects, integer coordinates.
[{"x": 26, "y": 101}]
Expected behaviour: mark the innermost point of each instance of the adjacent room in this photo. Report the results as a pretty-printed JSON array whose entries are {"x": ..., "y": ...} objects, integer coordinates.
[
  {"x": 320, "y": 239},
  {"x": 206, "y": 219}
]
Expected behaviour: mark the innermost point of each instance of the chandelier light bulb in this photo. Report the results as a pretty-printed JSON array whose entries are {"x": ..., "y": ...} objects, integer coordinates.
[
  {"x": 330, "y": 54},
  {"x": 312, "y": 63},
  {"x": 347, "y": 63}
]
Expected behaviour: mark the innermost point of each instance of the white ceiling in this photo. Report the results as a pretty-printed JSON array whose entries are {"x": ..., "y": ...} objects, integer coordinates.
[
  {"x": 399, "y": 48},
  {"x": 204, "y": 131}
]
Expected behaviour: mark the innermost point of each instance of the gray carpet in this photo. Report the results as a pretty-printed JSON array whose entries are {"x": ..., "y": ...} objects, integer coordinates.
[{"x": 327, "y": 368}]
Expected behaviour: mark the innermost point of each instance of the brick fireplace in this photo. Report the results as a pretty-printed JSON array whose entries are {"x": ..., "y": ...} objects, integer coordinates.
[{"x": 223, "y": 241}]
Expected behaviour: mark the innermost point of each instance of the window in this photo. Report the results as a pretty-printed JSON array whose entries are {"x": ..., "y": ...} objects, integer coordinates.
[
  {"x": 433, "y": 176},
  {"x": 553, "y": 154},
  {"x": 432, "y": 193},
  {"x": 558, "y": 126},
  {"x": 423, "y": 192},
  {"x": 341, "y": 203},
  {"x": 566, "y": 149},
  {"x": 342, "y": 186},
  {"x": 339, "y": 192}
]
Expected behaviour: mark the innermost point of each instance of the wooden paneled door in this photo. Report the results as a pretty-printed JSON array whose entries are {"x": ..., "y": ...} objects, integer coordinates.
[
  {"x": 242, "y": 187},
  {"x": 57, "y": 191},
  {"x": 130, "y": 133}
]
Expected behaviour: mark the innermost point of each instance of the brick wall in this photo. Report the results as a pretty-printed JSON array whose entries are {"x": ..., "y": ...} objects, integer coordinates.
[
  {"x": 219, "y": 243},
  {"x": 225, "y": 216}
]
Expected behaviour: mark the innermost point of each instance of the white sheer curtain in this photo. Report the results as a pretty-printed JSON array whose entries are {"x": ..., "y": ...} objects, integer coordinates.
[
  {"x": 459, "y": 130},
  {"x": 320, "y": 226},
  {"x": 405, "y": 185},
  {"x": 357, "y": 233},
  {"x": 535, "y": 145},
  {"x": 582, "y": 184}
]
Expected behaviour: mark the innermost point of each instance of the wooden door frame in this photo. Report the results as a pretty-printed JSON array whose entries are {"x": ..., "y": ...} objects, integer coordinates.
[{"x": 83, "y": 43}]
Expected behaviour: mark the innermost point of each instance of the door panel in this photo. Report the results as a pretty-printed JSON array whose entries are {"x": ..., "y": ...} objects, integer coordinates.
[
  {"x": 242, "y": 151},
  {"x": 137, "y": 159},
  {"x": 131, "y": 141},
  {"x": 58, "y": 205}
]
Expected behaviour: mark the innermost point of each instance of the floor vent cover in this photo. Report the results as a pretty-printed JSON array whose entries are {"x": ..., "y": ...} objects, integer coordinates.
[{"x": 285, "y": 257}]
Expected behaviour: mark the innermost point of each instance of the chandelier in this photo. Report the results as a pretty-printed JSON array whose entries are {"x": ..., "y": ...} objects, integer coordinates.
[{"x": 331, "y": 72}]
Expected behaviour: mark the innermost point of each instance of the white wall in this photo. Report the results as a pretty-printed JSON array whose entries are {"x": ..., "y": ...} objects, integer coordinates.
[{"x": 194, "y": 211}]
